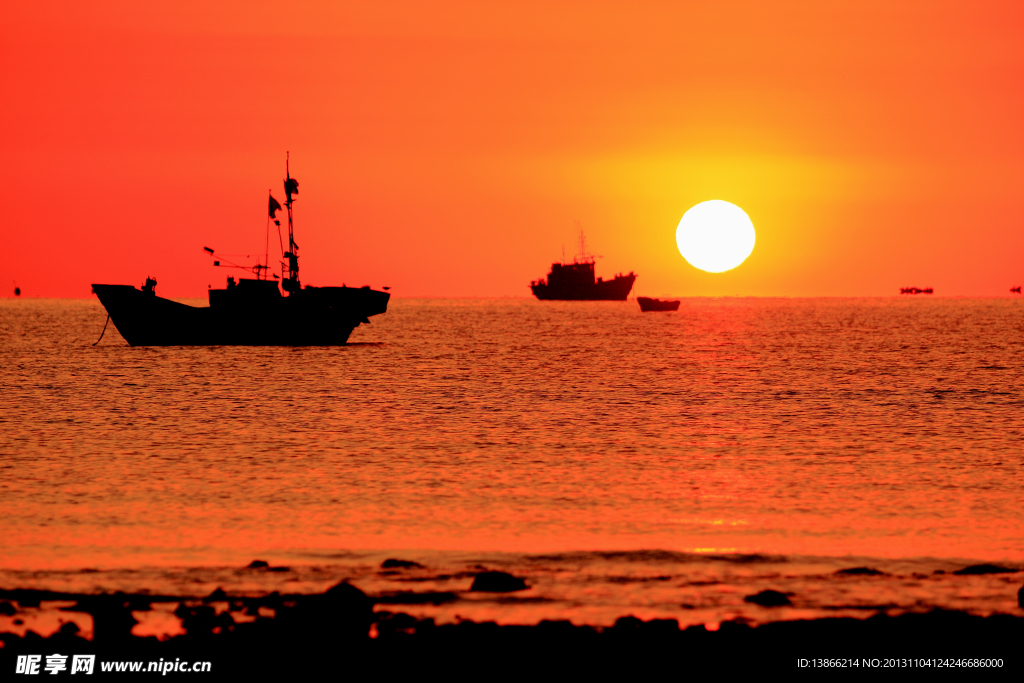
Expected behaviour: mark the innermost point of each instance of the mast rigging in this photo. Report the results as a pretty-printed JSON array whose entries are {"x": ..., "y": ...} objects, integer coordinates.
[{"x": 291, "y": 283}]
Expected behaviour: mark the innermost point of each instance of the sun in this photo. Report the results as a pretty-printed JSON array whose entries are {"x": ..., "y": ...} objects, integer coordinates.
[{"x": 715, "y": 236}]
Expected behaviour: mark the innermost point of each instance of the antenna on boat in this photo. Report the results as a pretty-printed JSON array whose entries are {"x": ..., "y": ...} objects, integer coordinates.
[
  {"x": 583, "y": 257},
  {"x": 291, "y": 186}
]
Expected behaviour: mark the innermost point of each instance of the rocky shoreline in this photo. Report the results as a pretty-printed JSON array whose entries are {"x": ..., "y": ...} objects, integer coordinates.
[{"x": 339, "y": 630}]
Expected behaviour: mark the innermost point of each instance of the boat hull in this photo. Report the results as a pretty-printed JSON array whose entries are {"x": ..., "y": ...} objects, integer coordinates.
[
  {"x": 314, "y": 317},
  {"x": 648, "y": 305},
  {"x": 616, "y": 289}
]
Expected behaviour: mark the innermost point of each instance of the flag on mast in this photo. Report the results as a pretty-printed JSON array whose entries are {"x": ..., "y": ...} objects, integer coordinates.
[{"x": 274, "y": 207}]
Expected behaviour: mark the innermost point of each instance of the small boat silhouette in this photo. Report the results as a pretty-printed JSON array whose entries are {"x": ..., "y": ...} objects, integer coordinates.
[
  {"x": 916, "y": 290},
  {"x": 647, "y": 304},
  {"x": 1015, "y": 290}
]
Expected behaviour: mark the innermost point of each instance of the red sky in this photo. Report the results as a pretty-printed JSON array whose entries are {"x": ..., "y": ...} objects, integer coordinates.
[{"x": 446, "y": 148}]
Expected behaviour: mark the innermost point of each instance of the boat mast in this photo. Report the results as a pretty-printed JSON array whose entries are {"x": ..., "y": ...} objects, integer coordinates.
[
  {"x": 291, "y": 186},
  {"x": 583, "y": 257}
]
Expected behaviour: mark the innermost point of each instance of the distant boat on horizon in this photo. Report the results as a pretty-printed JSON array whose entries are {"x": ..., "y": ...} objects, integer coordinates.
[
  {"x": 250, "y": 311},
  {"x": 916, "y": 290},
  {"x": 648, "y": 305},
  {"x": 576, "y": 281},
  {"x": 1015, "y": 290}
]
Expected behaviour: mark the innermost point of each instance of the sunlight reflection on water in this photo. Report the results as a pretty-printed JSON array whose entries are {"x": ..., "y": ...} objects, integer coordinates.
[{"x": 877, "y": 428}]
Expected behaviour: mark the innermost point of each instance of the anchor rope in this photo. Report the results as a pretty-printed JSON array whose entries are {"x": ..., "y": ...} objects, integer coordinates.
[{"x": 104, "y": 331}]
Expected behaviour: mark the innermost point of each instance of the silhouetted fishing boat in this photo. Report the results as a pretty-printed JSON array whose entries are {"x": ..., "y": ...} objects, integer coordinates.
[
  {"x": 248, "y": 312},
  {"x": 648, "y": 305},
  {"x": 1015, "y": 290},
  {"x": 915, "y": 290},
  {"x": 576, "y": 281}
]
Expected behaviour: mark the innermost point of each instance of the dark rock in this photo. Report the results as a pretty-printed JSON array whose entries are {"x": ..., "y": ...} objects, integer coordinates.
[
  {"x": 111, "y": 616},
  {"x": 497, "y": 582},
  {"x": 555, "y": 628},
  {"x": 139, "y": 603},
  {"x": 627, "y": 624},
  {"x": 735, "y": 629},
  {"x": 657, "y": 628},
  {"x": 392, "y": 563},
  {"x": 346, "y": 593},
  {"x": 985, "y": 569},
  {"x": 632, "y": 633},
  {"x": 29, "y": 598},
  {"x": 413, "y": 598},
  {"x": 200, "y": 622},
  {"x": 769, "y": 598},
  {"x": 218, "y": 595},
  {"x": 273, "y": 601},
  {"x": 7, "y": 609},
  {"x": 342, "y": 612},
  {"x": 257, "y": 564},
  {"x": 397, "y": 624},
  {"x": 662, "y": 626},
  {"x": 68, "y": 628},
  {"x": 860, "y": 571},
  {"x": 302, "y": 649}
]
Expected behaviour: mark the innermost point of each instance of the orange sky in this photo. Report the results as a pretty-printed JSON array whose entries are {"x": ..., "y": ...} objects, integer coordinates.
[{"x": 446, "y": 148}]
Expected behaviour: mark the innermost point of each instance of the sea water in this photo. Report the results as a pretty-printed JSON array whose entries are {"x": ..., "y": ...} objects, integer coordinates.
[{"x": 662, "y": 465}]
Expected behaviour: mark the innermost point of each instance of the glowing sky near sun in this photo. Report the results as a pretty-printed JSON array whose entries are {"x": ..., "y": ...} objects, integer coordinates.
[{"x": 446, "y": 148}]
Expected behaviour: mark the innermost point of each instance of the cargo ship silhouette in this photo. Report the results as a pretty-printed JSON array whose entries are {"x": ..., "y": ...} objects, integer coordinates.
[
  {"x": 576, "y": 281},
  {"x": 249, "y": 311}
]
